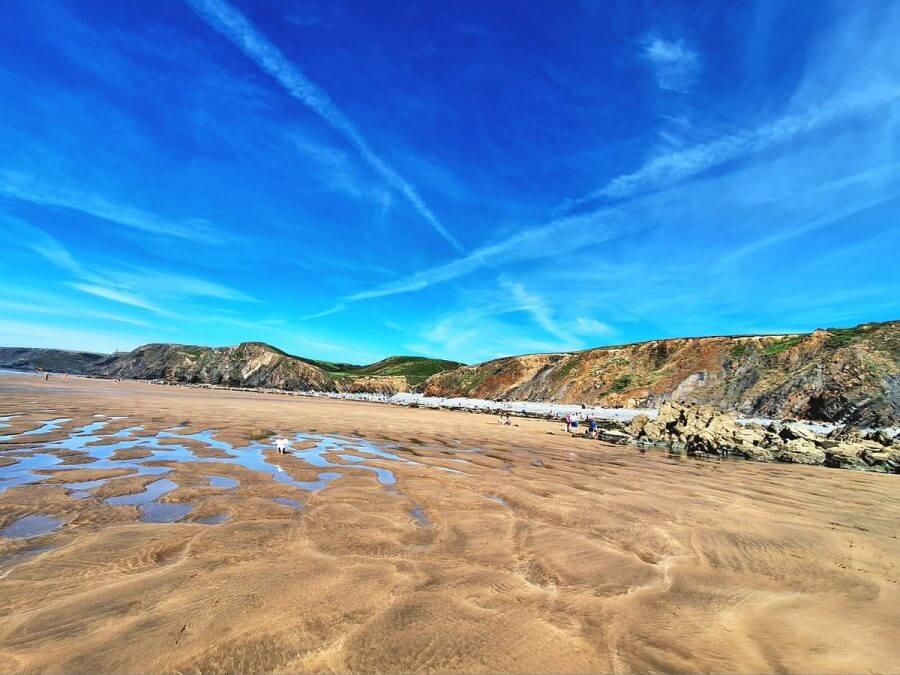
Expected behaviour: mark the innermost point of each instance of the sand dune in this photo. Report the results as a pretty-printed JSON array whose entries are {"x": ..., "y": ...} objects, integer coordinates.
[{"x": 595, "y": 558}]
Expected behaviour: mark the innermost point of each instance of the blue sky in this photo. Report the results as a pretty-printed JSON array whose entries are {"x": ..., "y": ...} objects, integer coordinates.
[{"x": 349, "y": 180}]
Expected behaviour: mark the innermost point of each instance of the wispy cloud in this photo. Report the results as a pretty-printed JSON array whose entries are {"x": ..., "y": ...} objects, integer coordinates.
[
  {"x": 127, "y": 286},
  {"x": 804, "y": 227},
  {"x": 536, "y": 307},
  {"x": 26, "y": 189},
  {"x": 51, "y": 305},
  {"x": 851, "y": 73},
  {"x": 116, "y": 296},
  {"x": 340, "y": 307},
  {"x": 238, "y": 29},
  {"x": 475, "y": 333},
  {"x": 551, "y": 239},
  {"x": 585, "y": 326},
  {"x": 671, "y": 168},
  {"x": 675, "y": 64},
  {"x": 339, "y": 174},
  {"x": 25, "y": 235},
  {"x": 169, "y": 285}
]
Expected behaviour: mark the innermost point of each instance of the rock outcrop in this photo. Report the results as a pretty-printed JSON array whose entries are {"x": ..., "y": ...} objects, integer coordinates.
[
  {"x": 386, "y": 385},
  {"x": 840, "y": 375},
  {"x": 55, "y": 360},
  {"x": 703, "y": 430},
  {"x": 258, "y": 365},
  {"x": 250, "y": 364}
]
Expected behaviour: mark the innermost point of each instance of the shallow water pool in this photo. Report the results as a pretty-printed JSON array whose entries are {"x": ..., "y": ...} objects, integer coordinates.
[{"x": 30, "y": 526}]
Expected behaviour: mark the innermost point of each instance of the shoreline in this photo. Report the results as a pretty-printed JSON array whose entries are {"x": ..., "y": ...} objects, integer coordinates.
[
  {"x": 696, "y": 430},
  {"x": 527, "y": 409}
]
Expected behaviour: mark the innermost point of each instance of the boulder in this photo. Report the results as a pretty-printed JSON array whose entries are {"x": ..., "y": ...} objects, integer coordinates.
[
  {"x": 704, "y": 430},
  {"x": 844, "y": 456},
  {"x": 636, "y": 426},
  {"x": 800, "y": 451},
  {"x": 881, "y": 437},
  {"x": 753, "y": 442},
  {"x": 880, "y": 458},
  {"x": 845, "y": 433},
  {"x": 790, "y": 433},
  {"x": 613, "y": 436}
]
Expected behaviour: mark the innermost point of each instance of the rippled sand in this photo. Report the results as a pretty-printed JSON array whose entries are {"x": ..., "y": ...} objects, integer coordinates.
[{"x": 594, "y": 558}]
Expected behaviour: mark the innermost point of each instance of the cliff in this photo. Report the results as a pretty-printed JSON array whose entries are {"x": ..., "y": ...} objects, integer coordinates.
[
  {"x": 850, "y": 375},
  {"x": 256, "y": 364},
  {"x": 57, "y": 360}
]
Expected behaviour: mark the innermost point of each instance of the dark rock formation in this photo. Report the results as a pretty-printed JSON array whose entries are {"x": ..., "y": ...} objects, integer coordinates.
[{"x": 56, "y": 360}]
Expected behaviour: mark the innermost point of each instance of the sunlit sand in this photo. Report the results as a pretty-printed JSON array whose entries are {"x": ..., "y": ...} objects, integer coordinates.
[{"x": 153, "y": 528}]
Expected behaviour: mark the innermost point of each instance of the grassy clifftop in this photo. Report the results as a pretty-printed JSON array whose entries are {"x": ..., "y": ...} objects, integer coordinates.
[
  {"x": 257, "y": 364},
  {"x": 831, "y": 374}
]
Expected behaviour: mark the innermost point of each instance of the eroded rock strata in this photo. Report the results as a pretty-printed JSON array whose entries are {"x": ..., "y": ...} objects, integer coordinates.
[
  {"x": 703, "y": 430},
  {"x": 841, "y": 375}
]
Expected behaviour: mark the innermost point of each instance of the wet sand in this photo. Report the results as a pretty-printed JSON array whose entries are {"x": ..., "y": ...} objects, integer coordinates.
[{"x": 533, "y": 552}]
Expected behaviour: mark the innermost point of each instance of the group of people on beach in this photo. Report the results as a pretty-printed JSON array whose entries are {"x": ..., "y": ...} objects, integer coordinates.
[{"x": 573, "y": 420}]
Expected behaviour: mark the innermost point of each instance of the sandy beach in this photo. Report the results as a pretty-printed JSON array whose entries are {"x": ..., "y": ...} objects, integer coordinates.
[{"x": 397, "y": 539}]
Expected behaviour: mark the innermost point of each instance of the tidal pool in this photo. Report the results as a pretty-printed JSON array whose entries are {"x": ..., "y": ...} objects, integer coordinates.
[
  {"x": 164, "y": 512},
  {"x": 223, "y": 482},
  {"x": 46, "y": 427},
  {"x": 419, "y": 514},
  {"x": 100, "y": 449},
  {"x": 30, "y": 526},
  {"x": 151, "y": 493},
  {"x": 287, "y": 501}
]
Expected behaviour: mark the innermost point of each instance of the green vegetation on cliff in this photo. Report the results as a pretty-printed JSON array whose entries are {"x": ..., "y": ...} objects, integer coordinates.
[{"x": 836, "y": 374}]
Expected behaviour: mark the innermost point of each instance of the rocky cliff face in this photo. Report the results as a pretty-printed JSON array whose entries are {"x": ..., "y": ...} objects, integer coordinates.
[
  {"x": 57, "y": 360},
  {"x": 250, "y": 364},
  {"x": 850, "y": 375},
  {"x": 254, "y": 365}
]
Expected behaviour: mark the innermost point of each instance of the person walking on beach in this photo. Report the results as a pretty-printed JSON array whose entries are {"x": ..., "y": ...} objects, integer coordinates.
[{"x": 568, "y": 423}]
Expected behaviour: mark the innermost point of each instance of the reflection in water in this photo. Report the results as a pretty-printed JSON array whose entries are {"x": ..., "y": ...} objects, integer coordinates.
[
  {"x": 23, "y": 472},
  {"x": 84, "y": 489},
  {"x": 338, "y": 454},
  {"x": 223, "y": 482},
  {"x": 46, "y": 427},
  {"x": 154, "y": 491},
  {"x": 419, "y": 514},
  {"x": 287, "y": 501},
  {"x": 30, "y": 526},
  {"x": 164, "y": 512}
]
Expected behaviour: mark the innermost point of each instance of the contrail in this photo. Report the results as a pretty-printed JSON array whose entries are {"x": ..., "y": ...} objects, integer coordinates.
[{"x": 238, "y": 29}]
